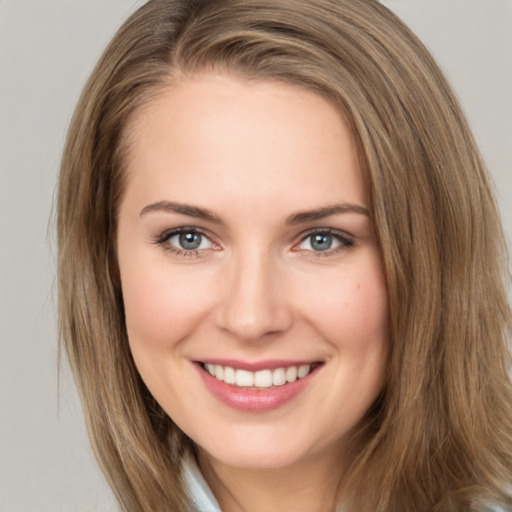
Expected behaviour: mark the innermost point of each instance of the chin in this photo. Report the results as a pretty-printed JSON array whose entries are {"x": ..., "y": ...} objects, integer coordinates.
[{"x": 260, "y": 451}]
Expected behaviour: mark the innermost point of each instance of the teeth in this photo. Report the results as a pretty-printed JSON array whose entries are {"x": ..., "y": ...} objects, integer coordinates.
[
  {"x": 243, "y": 378},
  {"x": 219, "y": 372},
  {"x": 261, "y": 379},
  {"x": 303, "y": 370},
  {"x": 278, "y": 377},
  {"x": 229, "y": 375},
  {"x": 291, "y": 374}
]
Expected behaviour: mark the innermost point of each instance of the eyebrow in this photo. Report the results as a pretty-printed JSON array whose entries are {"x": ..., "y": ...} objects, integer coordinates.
[
  {"x": 296, "y": 218},
  {"x": 321, "y": 213},
  {"x": 184, "y": 209}
]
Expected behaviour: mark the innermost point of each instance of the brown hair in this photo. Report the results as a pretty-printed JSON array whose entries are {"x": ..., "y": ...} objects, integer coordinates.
[{"x": 440, "y": 435}]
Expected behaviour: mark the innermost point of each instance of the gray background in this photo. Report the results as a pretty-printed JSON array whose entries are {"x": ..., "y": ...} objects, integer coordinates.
[{"x": 47, "y": 49}]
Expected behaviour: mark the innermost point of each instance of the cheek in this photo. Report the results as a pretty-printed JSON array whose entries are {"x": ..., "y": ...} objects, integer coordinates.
[
  {"x": 162, "y": 306},
  {"x": 351, "y": 309}
]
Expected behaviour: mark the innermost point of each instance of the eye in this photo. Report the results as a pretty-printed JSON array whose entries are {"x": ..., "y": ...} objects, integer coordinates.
[
  {"x": 324, "y": 241},
  {"x": 319, "y": 242},
  {"x": 189, "y": 241},
  {"x": 185, "y": 241}
]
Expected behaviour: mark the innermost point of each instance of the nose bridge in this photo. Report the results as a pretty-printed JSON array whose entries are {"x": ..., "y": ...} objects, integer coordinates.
[{"x": 254, "y": 303}]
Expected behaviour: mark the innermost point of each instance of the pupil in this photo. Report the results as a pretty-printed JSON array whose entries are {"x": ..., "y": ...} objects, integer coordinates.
[
  {"x": 190, "y": 241},
  {"x": 321, "y": 242}
]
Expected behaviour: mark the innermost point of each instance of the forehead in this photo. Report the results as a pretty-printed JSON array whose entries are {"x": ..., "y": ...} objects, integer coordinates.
[{"x": 251, "y": 138}]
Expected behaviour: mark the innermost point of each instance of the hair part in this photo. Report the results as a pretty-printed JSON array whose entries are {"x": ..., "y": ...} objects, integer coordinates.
[{"x": 439, "y": 436}]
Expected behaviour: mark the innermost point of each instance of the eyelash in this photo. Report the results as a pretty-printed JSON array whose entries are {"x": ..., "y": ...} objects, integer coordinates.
[
  {"x": 344, "y": 239},
  {"x": 163, "y": 238}
]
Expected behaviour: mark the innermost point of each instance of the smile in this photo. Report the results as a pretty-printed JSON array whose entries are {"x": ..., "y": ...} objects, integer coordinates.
[
  {"x": 257, "y": 388},
  {"x": 262, "y": 379}
]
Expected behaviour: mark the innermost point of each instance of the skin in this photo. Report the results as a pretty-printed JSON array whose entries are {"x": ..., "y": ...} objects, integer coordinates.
[{"x": 253, "y": 154}]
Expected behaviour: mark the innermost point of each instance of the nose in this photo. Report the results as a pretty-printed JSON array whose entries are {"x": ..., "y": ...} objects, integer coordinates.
[{"x": 253, "y": 304}]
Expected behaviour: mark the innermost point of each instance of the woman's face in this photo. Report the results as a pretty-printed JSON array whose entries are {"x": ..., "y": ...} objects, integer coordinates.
[{"x": 246, "y": 251}]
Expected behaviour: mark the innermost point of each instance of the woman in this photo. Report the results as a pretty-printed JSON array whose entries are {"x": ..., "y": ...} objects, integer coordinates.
[{"x": 281, "y": 267}]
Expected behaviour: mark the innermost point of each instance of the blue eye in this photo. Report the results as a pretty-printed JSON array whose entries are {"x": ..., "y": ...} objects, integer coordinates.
[
  {"x": 185, "y": 241},
  {"x": 324, "y": 241},
  {"x": 189, "y": 241},
  {"x": 321, "y": 241}
]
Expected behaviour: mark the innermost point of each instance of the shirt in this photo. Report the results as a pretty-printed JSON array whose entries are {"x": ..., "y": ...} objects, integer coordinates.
[{"x": 199, "y": 493}]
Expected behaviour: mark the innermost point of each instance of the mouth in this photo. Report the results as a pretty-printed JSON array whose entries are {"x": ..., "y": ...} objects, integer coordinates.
[
  {"x": 262, "y": 379},
  {"x": 257, "y": 387}
]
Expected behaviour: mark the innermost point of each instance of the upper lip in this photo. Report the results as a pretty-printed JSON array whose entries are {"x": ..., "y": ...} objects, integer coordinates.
[{"x": 254, "y": 366}]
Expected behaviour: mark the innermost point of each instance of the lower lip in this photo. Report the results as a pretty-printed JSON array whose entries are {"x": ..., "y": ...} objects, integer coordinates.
[{"x": 254, "y": 400}]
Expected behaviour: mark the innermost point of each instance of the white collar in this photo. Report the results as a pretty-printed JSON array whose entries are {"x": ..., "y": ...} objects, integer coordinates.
[{"x": 196, "y": 487}]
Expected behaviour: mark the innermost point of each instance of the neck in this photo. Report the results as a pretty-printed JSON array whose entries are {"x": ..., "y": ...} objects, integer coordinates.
[{"x": 310, "y": 485}]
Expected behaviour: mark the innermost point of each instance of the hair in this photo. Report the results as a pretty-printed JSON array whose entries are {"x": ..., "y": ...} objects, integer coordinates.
[{"x": 439, "y": 436}]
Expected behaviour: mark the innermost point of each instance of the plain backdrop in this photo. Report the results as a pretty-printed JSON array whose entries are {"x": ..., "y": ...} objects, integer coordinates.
[{"x": 47, "y": 49}]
